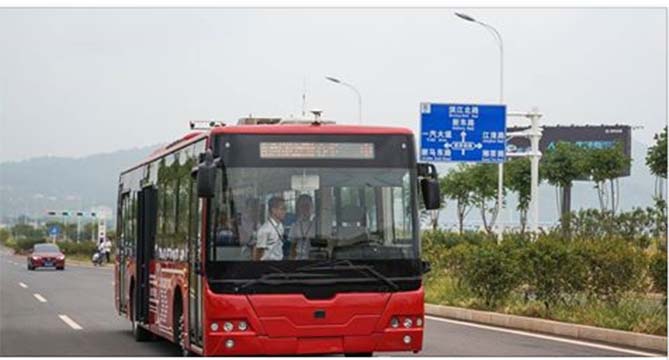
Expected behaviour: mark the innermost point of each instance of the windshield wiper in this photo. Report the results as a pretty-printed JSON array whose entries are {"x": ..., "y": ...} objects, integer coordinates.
[
  {"x": 348, "y": 265},
  {"x": 276, "y": 277}
]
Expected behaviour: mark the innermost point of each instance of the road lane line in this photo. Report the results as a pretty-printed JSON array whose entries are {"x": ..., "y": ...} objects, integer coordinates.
[
  {"x": 23, "y": 285},
  {"x": 548, "y": 337},
  {"x": 70, "y": 322},
  {"x": 39, "y": 297}
]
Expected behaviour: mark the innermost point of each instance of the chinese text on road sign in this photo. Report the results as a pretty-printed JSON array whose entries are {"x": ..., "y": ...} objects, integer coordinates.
[{"x": 460, "y": 132}]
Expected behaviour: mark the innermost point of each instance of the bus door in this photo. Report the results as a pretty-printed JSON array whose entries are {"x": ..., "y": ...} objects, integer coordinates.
[
  {"x": 195, "y": 270},
  {"x": 146, "y": 229},
  {"x": 122, "y": 216}
]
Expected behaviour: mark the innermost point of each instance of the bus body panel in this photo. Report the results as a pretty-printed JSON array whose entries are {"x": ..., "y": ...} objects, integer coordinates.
[{"x": 282, "y": 324}]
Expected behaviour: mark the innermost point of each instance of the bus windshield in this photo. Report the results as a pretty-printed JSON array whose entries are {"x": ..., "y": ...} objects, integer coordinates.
[{"x": 266, "y": 214}]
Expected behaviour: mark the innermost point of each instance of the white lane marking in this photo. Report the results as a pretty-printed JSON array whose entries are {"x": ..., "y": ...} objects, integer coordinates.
[
  {"x": 70, "y": 322},
  {"x": 547, "y": 337},
  {"x": 23, "y": 285},
  {"x": 39, "y": 297}
]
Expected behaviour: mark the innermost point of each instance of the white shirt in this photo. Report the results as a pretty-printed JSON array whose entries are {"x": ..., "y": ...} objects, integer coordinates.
[
  {"x": 301, "y": 234},
  {"x": 270, "y": 238}
]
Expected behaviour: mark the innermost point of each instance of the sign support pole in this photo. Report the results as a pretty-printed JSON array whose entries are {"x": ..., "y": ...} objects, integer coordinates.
[{"x": 534, "y": 134}]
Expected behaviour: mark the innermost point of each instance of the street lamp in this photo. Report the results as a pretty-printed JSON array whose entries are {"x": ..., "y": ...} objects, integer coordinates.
[
  {"x": 337, "y": 81},
  {"x": 500, "y": 166}
]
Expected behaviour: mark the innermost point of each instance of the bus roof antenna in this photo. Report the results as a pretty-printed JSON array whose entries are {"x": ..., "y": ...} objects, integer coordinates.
[{"x": 317, "y": 114}]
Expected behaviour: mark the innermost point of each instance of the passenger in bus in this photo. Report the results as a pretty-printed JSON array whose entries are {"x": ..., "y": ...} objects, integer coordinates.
[
  {"x": 302, "y": 231},
  {"x": 270, "y": 235},
  {"x": 248, "y": 227}
]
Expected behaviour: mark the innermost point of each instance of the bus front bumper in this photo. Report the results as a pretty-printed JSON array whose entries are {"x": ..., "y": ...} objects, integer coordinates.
[{"x": 250, "y": 344}]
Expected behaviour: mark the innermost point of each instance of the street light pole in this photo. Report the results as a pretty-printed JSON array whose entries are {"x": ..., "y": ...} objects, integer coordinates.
[
  {"x": 337, "y": 81},
  {"x": 500, "y": 166}
]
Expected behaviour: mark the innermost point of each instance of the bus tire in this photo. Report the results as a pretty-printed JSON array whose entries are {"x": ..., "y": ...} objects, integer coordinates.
[{"x": 139, "y": 333}]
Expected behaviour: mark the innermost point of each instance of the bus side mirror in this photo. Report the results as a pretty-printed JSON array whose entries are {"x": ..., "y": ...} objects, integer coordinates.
[
  {"x": 431, "y": 193},
  {"x": 206, "y": 176}
]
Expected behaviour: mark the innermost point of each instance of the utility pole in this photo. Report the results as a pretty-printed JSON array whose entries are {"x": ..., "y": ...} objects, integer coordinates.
[{"x": 500, "y": 166}]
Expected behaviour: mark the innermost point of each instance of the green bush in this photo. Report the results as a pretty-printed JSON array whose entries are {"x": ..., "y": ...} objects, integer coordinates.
[
  {"x": 450, "y": 239},
  {"x": 24, "y": 245},
  {"x": 437, "y": 244},
  {"x": 456, "y": 261},
  {"x": 614, "y": 267},
  {"x": 488, "y": 271},
  {"x": 658, "y": 272},
  {"x": 637, "y": 226},
  {"x": 554, "y": 270},
  {"x": 77, "y": 248}
]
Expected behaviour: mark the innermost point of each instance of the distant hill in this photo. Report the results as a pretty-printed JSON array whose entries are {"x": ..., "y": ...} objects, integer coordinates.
[{"x": 33, "y": 186}]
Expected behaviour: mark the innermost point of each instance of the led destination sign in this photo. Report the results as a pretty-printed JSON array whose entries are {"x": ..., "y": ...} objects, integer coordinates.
[{"x": 316, "y": 150}]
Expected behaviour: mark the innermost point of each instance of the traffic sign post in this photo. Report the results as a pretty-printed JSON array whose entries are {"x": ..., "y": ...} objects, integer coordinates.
[
  {"x": 54, "y": 231},
  {"x": 463, "y": 133}
]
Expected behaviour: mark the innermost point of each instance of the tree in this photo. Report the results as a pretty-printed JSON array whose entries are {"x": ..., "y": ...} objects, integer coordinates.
[
  {"x": 4, "y": 236},
  {"x": 483, "y": 179},
  {"x": 518, "y": 178},
  {"x": 656, "y": 160},
  {"x": 457, "y": 186},
  {"x": 560, "y": 167},
  {"x": 606, "y": 165}
]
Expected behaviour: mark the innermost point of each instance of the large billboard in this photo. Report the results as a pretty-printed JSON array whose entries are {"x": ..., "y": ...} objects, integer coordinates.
[{"x": 592, "y": 137}]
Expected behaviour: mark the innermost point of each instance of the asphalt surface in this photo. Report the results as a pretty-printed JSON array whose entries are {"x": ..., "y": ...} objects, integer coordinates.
[{"x": 78, "y": 319}]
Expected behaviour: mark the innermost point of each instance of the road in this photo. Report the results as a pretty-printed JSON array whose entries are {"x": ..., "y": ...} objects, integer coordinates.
[{"x": 71, "y": 313}]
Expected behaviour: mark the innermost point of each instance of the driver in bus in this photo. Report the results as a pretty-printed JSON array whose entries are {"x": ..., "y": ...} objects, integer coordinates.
[
  {"x": 302, "y": 231},
  {"x": 269, "y": 243}
]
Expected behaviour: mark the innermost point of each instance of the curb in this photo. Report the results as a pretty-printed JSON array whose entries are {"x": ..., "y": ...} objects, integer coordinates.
[
  {"x": 582, "y": 332},
  {"x": 86, "y": 264}
]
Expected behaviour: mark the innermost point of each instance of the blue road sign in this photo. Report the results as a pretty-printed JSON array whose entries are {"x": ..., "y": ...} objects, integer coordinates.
[
  {"x": 462, "y": 132},
  {"x": 54, "y": 230}
]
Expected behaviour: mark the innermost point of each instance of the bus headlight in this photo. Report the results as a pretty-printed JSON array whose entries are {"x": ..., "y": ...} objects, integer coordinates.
[
  {"x": 242, "y": 326},
  {"x": 394, "y": 322},
  {"x": 227, "y": 326},
  {"x": 229, "y": 343},
  {"x": 407, "y": 323},
  {"x": 419, "y": 322},
  {"x": 407, "y": 339},
  {"x": 214, "y": 326}
]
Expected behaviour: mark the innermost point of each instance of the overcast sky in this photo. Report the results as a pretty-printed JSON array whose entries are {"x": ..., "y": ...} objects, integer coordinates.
[{"x": 74, "y": 82}]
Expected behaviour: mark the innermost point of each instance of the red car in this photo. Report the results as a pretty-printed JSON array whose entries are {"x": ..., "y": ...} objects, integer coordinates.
[{"x": 46, "y": 255}]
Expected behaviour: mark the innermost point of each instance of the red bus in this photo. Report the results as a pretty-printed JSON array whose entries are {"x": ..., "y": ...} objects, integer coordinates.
[{"x": 275, "y": 240}]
